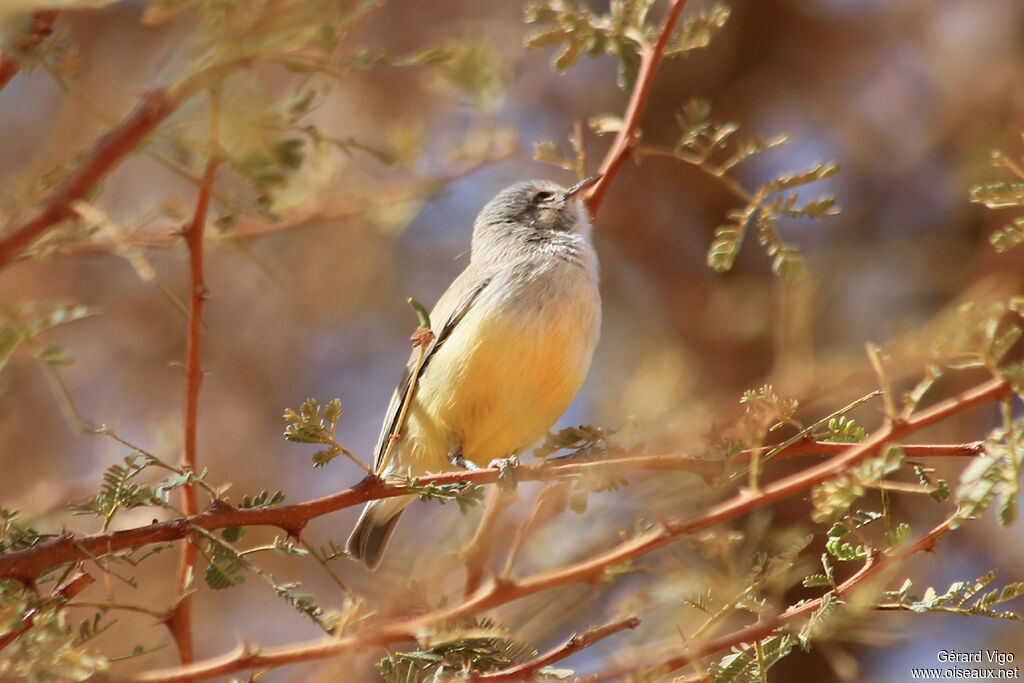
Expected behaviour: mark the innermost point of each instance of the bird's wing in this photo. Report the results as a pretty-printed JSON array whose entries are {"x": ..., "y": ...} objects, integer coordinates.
[{"x": 452, "y": 308}]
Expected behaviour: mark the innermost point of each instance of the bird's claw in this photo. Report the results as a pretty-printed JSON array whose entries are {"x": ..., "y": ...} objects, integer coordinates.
[
  {"x": 456, "y": 458},
  {"x": 507, "y": 478}
]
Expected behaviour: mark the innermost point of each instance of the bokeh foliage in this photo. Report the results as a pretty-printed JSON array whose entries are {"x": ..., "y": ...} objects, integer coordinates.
[{"x": 292, "y": 109}]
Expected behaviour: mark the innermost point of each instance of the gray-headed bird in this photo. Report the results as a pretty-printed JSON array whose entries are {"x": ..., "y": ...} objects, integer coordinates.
[{"x": 514, "y": 336}]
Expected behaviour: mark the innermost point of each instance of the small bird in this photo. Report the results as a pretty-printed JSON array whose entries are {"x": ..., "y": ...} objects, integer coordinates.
[{"x": 517, "y": 332}]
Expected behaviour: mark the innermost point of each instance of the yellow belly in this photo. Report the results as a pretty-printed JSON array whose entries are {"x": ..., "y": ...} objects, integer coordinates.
[{"x": 499, "y": 382}]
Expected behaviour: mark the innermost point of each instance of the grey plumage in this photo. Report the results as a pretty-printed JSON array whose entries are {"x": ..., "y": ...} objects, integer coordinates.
[{"x": 532, "y": 272}]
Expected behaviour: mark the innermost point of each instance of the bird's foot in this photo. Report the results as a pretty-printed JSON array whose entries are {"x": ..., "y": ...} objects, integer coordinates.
[
  {"x": 507, "y": 478},
  {"x": 456, "y": 458}
]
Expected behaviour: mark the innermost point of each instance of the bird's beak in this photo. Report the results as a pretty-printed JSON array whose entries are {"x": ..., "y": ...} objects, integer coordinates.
[{"x": 582, "y": 186}]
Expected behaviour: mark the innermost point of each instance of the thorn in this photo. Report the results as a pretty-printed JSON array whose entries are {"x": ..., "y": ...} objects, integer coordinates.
[
  {"x": 220, "y": 505},
  {"x": 294, "y": 531},
  {"x": 500, "y": 584}
]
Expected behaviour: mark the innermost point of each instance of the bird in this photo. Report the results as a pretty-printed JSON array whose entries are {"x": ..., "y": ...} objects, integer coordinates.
[{"x": 514, "y": 335}]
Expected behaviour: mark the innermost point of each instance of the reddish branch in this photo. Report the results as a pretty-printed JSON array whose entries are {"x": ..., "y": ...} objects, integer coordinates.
[
  {"x": 179, "y": 620},
  {"x": 77, "y": 583},
  {"x": 764, "y": 628},
  {"x": 26, "y": 565},
  {"x": 526, "y": 670},
  {"x": 650, "y": 58},
  {"x": 42, "y": 26},
  {"x": 498, "y": 592},
  {"x": 107, "y": 153}
]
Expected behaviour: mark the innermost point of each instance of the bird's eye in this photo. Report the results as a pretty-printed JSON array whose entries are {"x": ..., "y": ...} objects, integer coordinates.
[{"x": 543, "y": 196}]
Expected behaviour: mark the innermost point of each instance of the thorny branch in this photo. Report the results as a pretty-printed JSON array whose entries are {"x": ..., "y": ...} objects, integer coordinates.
[
  {"x": 527, "y": 669},
  {"x": 622, "y": 145},
  {"x": 873, "y": 566},
  {"x": 27, "y": 565},
  {"x": 501, "y": 591},
  {"x": 154, "y": 107},
  {"x": 179, "y": 620}
]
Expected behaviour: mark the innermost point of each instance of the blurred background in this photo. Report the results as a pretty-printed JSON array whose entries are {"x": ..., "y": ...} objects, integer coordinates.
[{"x": 909, "y": 97}]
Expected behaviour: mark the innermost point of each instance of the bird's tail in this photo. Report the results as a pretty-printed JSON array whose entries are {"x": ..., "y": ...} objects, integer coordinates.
[{"x": 374, "y": 528}]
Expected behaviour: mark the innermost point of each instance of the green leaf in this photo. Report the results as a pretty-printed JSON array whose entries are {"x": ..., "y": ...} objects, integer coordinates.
[
  {"x": 1002, "y": 343},
  {"x": 605, "y": 124},
  {"x": 544, "y": 39},
  {"x": 475, "y": 644},
  {"x": 728, "y": 237},
  {"x": 787, "y": 181},
  {"x": 164, "y": 488},
  {"x": 9, "y": 342},
  {"x": 324, "y": 456},
  {"x": 421, "y": 314},
  {"x": 898, "y": 535},
  {"x": 289, "y": 153},
  {"x": 998, "y": 194},
  {"x": 816, "y": 581},
  {"x": 960, "y": 598},
  {"x": 787, "y": 260},
  {"x": 569, "y": 56},
  {"x": 788, "y": 263},
  {"x": 332, "y": 412},
  {"x": 628, "y": 52},
  {"x": 844, "y": 430},
  {"x": 580, "y": 31},
  {"x": 221, "y": 577},
  {"x": 845, "y": 552},
  {"x": 751, "y": 147},
  {"x": 464, "y": 494},
  {"x": 1009, "y": 236},
  {"x": 764, "y": 411},
  {"x": 994, "y": 476},
  {"x": 938, "y": 490},
  {"x": 1007, "y": 513},
  {"x": 263, "y": 499},
  {"x": 698, "y": 30},
  {"x": 747, "y": 664},
  {"x": 574, "y": 438}
]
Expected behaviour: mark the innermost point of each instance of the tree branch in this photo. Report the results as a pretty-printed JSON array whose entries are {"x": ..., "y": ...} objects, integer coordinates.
[
  {"x": 498, "y": 592},
  {"x": 872, "y": 567},
  {"x": 526, "y": 670},
  {"x": 650, "y": 59},
  {"x": 108, "y": 152},
  {"x": 179, "y": 619},
  {"x": 26, "y": 565},
  {"x": 42, "y": 27}
]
